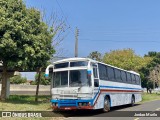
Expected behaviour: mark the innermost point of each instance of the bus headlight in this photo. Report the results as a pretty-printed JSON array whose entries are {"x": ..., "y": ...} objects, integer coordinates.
[
  {"x": 84, "y": 104},
  {"x": 79, "y": 104}
]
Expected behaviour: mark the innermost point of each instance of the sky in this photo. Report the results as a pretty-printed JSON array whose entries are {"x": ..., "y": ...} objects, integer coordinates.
[
  {"x": 29, "y": 75},
  {"x": 106, "y": 25}
]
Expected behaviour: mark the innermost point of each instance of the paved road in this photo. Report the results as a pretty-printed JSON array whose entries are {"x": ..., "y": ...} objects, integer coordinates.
[{"x": 148, "y": 107}]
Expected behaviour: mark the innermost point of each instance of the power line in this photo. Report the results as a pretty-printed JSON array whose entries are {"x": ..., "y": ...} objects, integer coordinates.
[
  {"x": 135, "y": 41},
  {"x": 64, "y": 16}
]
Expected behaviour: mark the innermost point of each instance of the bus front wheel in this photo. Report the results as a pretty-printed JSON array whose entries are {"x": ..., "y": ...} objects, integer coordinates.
[{"x": 106, "y": 107}]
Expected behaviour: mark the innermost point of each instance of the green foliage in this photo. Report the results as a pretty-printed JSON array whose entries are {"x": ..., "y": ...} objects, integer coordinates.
[
  {"x": 147, "y": 80},
  {"x": 43, "y": 81},
  {"x": 33, "y": 83},
  {"x": 95, "y": 56},
  {"x": 18, "y": 79},
  {"x": 25, "y": 40},
  {"x": 148, "y": 66},
  {"x": 126, "y": 59},
  {"x": 151, "y": 54},
  {"x": 27, "y": 98},
  {"x": 26, "y": 103}
]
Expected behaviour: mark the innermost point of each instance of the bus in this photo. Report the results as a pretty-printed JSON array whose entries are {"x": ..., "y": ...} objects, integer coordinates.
[{"x": 83, "y": 83}]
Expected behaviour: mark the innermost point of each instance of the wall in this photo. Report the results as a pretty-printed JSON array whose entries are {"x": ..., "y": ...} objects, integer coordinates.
[{"x": 28, "y": 89}]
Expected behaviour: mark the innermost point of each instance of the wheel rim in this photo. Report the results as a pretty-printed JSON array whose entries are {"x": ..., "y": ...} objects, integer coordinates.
[{"x": 106, "y": 105}]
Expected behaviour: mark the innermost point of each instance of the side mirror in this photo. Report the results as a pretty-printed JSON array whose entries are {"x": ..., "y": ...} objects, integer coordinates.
[{"x": 46, "y": 76}]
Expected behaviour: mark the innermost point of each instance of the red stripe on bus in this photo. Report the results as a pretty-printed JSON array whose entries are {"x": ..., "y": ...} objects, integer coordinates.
[{"x": 97, "y": 98}]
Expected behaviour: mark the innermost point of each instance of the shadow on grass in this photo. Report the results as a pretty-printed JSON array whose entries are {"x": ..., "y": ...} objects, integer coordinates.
[
  {"x": 94, "y": 113},
  {"x": 26, "y": 99}
]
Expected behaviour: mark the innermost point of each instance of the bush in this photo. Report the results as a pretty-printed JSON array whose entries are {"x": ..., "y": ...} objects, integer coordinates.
[
  {"x": 18, "y": 79},
  {"x": 33, "y": 83}
]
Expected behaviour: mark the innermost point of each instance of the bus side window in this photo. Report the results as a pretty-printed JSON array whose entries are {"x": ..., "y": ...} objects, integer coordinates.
[
  {"x": 133, "y": 79},
  {"x": 123, "y": 76},
  {"x": 128, "y": 77},
  {"x": 117, "y": 75},
  {"x": 102, "y": 72},
  {"x": 111, "y": 74},
  {"x": 137, "y": 79}
]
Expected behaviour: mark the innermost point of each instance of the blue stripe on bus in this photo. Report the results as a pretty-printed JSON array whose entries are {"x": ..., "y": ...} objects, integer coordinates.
[
  {"x": 70, "y": 103},
  {"x": 96, "y": 93},
  {"x": 120, "y": 87}
]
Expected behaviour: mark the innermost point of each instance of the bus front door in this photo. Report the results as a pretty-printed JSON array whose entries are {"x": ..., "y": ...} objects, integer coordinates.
[{"x": 95, "y": 74}]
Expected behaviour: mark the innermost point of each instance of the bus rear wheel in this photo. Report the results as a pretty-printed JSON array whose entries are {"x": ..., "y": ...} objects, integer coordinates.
[{"x": 106, "y": 107}]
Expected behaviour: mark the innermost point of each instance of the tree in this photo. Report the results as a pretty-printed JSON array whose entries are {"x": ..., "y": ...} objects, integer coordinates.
[
  {"x": 151, "y": 54},
  {"x": 151, "y": 72},
  {"x": 58, "y": 31},
  {"x": 18, "y": 79},
  {"x": 126, "y": 59},
  {"x": 43, "y": 81},
  {"x": 25, "y": 40},
  {"x": 95, "y": 56}
]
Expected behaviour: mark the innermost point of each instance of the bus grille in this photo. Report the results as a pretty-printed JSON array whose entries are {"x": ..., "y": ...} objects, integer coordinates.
[{"x": 67, "y": 103}]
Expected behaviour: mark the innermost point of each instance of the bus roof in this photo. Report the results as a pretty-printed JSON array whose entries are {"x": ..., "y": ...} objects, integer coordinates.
[
  {"x": 120, "y": 68},
  {"x": 74, "y": 59},
  {"x": 88, "y": 59}
]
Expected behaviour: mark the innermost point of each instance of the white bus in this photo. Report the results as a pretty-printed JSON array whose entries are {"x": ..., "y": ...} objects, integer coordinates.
[{"x": 83, "y": 83}]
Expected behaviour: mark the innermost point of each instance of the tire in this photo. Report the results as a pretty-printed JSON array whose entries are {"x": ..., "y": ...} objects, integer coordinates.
[
  {"x": 107, "y": 106},
  {"x": 132, "y": 101}
]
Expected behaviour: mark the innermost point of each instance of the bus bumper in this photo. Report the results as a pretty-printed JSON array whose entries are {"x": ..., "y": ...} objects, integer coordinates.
[
  {"x": 73, "y": 108},
  {"x": 71, "y": 104}
]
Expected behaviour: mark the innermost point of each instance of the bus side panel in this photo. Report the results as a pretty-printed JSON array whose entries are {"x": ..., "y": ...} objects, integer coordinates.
[
  {"x": 138, "y": 97},
  {"x": 120, "y": 99},
  {"x": 100, "y": 102},
  {"x": 116, "y": 99}
]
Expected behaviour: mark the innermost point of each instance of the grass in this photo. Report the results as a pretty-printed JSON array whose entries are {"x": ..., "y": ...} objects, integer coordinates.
[
  {"x": 27, "y": 103},
  {"x": 150, "y": 97},
  {"x": 22, "y": 103}
]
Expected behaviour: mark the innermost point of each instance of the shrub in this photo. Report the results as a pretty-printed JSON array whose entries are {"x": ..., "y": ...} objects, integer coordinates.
[{"x": 18, "y": 79}]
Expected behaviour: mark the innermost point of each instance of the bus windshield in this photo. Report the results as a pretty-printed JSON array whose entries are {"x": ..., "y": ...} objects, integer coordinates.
[
  {"x": 61, "y": 79},
  {"x": 77, "y": 78}
]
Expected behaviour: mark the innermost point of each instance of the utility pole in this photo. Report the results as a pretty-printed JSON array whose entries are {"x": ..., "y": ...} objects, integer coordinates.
[{"x": 76, "y": 41}]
